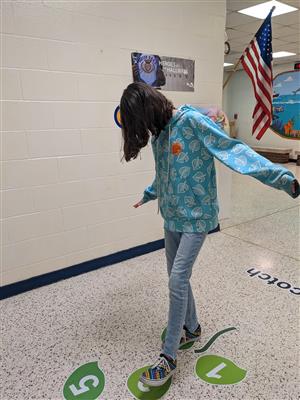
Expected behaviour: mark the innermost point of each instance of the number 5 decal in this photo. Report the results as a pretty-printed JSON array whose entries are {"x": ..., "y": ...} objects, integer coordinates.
[
  {"x": 85, "y": 383},
  {"x": 83, "y": 388}
]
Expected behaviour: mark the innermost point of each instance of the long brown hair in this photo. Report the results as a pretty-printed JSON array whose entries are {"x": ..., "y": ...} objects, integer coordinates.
[{"x": 144, "y": 111}]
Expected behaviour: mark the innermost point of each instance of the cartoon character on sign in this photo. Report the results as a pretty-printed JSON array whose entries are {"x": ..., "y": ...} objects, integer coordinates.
[
  {"x": 147, "y": 68},
  {"x": 286, "y": 105}
]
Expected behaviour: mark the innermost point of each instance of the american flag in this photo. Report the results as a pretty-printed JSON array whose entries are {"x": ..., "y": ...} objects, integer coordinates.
[{"x": 257, "y": 62}]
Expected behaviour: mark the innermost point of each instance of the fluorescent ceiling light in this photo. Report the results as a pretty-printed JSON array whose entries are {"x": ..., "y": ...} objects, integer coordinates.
[
  {"x": 227, "y": 64},
  {"x": 262, "y": 10},
  {"x": 279, "y": 54}
]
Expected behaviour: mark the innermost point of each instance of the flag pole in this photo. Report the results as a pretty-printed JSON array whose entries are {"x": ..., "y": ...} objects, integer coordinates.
[{"x": 239, "y": 60}]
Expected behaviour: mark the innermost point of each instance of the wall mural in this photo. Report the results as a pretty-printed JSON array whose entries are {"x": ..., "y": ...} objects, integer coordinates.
[{"x": 286, "y": 105}]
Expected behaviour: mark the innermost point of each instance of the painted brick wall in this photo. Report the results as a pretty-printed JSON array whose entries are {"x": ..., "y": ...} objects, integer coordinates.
[{"x": 66, "y": 197}]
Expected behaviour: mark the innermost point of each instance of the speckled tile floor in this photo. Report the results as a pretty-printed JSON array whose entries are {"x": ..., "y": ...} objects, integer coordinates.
[{"x": 106, "y": 315}]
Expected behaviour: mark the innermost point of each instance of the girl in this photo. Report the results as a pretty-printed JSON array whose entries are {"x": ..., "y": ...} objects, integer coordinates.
[{"x": 184, "y": 144}]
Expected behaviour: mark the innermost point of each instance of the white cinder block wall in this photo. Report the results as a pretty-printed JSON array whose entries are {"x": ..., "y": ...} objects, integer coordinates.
[
  {"x": 239, "y": 98},
  {"x": 66, "y": 197}
]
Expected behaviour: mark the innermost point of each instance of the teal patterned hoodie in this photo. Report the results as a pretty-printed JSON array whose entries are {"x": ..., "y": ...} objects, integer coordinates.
[{"x": 185, "y": 180}]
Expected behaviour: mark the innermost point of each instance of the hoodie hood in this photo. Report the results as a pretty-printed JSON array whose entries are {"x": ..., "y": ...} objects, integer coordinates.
[{"x": 180, "y": 112}]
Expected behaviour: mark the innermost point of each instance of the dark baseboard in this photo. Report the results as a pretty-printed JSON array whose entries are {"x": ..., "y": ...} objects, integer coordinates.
[{"x": 87, "y": 266}]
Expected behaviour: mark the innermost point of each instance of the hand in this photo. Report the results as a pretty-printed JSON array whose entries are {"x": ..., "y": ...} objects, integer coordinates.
[
  {"x": 140, "y": 203},
  {"x": 295, "y": 188}
]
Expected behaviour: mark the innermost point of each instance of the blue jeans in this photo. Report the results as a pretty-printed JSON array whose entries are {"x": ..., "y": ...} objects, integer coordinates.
[{"x": 181, "y": 250}]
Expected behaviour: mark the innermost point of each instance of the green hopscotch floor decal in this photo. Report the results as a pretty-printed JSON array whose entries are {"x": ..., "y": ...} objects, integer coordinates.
[
  {"x": 143, "y": 392},
  {"x": 85, "y": 383},
  {"x": 88, "y": 381},
  {"x": 218, "y": 370},
  {"x": 229, "y": 373}
]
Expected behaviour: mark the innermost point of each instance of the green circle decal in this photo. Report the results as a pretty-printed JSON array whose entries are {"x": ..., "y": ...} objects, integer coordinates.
[
  {"x": 143, "y": 392},
  {"x": 86, "y": 383},
  {"x": 218, "y": 370}
]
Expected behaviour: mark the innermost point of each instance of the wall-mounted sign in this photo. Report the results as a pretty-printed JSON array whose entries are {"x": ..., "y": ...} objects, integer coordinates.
[
  {"x": 286, "y": 105},
  {"x": 167, "y": 73},
  {"x": 179, "y": 73},
  {"x": 117, "y": 117}
]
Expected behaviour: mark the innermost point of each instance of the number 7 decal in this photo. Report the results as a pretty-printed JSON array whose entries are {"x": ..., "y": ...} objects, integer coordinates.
[
  {"x": 213, "y": 372},
  {"x": 218, "y": 370}
]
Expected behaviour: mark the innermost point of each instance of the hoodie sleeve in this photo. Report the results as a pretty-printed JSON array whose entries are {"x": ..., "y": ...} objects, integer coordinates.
[
  {"x": 150, "y": 193},
  {"x": 240, "y": 157}
]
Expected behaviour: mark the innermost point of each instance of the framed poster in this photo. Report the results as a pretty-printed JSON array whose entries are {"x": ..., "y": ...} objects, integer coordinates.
[
  {"x": 166, "y": 73},
  {"x": 179, "y": 73}
]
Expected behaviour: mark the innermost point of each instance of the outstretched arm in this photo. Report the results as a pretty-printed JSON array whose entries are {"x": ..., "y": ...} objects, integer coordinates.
[{"x": 240, "y": 157}]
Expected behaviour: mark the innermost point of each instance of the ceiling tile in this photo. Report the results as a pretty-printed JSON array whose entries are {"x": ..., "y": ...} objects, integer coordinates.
[
  {"x": 233, "y": 33},
  {"x": 294, "y": 3},
  {"x": 244, "y": 38},
  {"x": 279, "y": 31},
  {"x": 279, "y": 61},
  {"x": 236, "y": 19},
  {"x": 286, "y": 47},
  {"x": 276, "y": 43},
  {"x": 290, "y": 38},
  {"x": 293, "y": 47},
  {"x": 251, "y": 27},
  {"x": 237, "y": 47},
  {"x": 288, "y": 19},
  {"x": 235, "y": 5}
]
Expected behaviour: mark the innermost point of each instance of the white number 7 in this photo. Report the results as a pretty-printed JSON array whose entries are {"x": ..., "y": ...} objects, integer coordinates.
[
  {"x": 82, "y": 387},
  {"x": 214, "y": 372}
]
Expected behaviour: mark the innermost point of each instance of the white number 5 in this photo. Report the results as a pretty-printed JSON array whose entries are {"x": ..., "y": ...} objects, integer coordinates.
[{"x": 82, "y": 387}]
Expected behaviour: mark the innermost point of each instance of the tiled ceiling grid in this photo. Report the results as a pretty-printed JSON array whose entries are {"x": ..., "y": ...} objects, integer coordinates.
[{"x": 241, "y": 28}]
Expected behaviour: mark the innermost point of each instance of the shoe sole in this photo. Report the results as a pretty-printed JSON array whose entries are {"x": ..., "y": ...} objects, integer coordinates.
[{"x": 156, "y": 383}]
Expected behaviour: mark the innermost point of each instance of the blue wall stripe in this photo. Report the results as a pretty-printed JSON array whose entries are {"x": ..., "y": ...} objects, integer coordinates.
[{"x": 87, "y": 266}]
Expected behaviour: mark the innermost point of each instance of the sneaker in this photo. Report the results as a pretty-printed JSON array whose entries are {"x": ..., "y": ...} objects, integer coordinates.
[
  {"x": 187, "y": 339},
  {"x": 160, "y": 372},
  {"x": 190, "y": 337}
]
